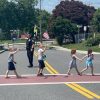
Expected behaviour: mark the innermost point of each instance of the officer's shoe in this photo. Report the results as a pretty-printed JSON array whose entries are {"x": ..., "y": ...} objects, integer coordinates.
[
  {"x": 30, "y": 66},
  {"x": 41, "y": 74}
]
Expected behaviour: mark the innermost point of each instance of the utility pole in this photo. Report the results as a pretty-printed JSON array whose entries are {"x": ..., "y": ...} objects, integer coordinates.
[
  {"x": 40, "y": 24},
  {"x": 78, "y": 26}
]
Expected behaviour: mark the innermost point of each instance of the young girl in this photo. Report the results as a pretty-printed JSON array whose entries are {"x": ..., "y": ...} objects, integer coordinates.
[
  {"x": 11, "y": 62},
  {"x": 41, "y": 60},
  {"x": 89, "y": 62},
  {"x": 72, "y": 63}
]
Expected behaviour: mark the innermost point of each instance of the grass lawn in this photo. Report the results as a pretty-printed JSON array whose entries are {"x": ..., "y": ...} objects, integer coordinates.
[
  {"x": 81, "y": 46},
  {"x": 10, "y": 41}
]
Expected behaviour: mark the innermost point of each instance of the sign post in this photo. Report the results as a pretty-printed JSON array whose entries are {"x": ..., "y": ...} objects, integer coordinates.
[{"x": 85, "y": 28}]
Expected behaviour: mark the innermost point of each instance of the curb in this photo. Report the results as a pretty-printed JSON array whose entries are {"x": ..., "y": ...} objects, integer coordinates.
[
  {"x": 58, "y": 48},
  {"x": 17, "y": 43},
  {"x": 2, "y": 51},
  {"x": 78, "y": 51}
]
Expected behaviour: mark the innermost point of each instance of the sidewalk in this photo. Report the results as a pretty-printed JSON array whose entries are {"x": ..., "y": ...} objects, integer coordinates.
[
  {"x": 57, "y": 48},
  {"x": 79, "y": 51}
]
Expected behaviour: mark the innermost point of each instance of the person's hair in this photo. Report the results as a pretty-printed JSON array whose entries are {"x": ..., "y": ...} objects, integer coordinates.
[
  {"x": 12, "y": 49},
  {"x": 9, "y": 49},
  {"x": 40, "y": 44},
  {"x": 89, "y": 51},
  {"x": 73, "y": 51},
  {"x": 29, "y": 36}
]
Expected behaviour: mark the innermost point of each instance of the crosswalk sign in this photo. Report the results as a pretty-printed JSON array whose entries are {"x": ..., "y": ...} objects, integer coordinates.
[{"x": 35, "y": 30}]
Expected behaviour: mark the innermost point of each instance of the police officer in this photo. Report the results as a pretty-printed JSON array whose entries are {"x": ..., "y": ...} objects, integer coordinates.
[{"x": 30, "y": 49}]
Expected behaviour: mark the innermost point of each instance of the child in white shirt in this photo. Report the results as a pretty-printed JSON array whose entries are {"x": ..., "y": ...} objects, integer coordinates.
[{"x": 41, "y": 51}]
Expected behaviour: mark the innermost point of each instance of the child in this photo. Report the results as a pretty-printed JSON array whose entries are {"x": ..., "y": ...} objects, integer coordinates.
[
  {"x": 41, "y": 60},
  {"x": 11, "y": 62},
  {"x": 89, "y": 62},
  {"x": 72, "y": 63}
]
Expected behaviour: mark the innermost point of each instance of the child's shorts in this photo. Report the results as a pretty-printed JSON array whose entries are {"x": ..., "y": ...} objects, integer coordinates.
[
  {"x": 41, "y": 64},
  {"x": 11, "y": 66}
]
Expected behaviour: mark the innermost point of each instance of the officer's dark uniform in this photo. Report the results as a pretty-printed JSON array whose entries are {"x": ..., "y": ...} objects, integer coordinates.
[{"x": 30, "y": 51}]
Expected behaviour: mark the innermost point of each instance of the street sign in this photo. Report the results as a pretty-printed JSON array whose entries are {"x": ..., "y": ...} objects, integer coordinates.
[
  {"x": 85, "y": 28},
  {"x": 45, "y": 35}
]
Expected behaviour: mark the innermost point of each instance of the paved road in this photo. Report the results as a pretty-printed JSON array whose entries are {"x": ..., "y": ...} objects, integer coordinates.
[{"x": 58, "y": 61}]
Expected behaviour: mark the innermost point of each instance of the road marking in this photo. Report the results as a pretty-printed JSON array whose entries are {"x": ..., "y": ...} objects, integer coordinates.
[
  {"x": 71, "y": 86},
  {"x": 15, "y": 81},
  {"x": 47, "y": 83},
  {"x": 76, "y": 87},
  {"x": 51, "y": 68},
  {"x": 79, "y": 91},
  {"x": 85, "y": 90},
  {"x": 47, "y": 75}
]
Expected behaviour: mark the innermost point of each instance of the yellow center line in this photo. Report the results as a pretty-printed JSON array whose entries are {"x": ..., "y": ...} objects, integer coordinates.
[
  {"x": 87, "y": 91},
  {"x": 79, "y": 91},
  {"x": 70, "y": 85},
  {"x": 49, "y": 70},
  {"x": 76, "y": 87},
  {"x": 49, "y": 66}
]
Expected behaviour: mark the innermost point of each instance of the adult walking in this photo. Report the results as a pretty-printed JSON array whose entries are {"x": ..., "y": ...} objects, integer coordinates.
[{"x": 30, "y": 50}]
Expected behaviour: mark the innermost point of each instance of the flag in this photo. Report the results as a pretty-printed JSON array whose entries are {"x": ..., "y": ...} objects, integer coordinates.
[{"x": 45, "y": 35}]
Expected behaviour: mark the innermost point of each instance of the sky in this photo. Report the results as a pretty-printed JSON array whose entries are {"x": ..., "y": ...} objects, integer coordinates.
[{"x": 49, "y": 5}]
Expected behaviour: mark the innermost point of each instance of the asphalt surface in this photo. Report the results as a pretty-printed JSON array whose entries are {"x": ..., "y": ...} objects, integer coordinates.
[{"x": 59, "y": 60}]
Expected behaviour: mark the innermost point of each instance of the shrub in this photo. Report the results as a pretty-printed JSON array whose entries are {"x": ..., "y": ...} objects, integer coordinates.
[
  {"x": 89, "y": 42},
  {"x": 93, "y": 41},
  {"x": 60, "y": 40}
]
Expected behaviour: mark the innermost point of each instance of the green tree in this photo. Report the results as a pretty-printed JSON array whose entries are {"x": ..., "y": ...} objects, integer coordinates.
[
  {"x": 22, "y": 15},
  {"x": 26, "y": 3},
  {"x": 75, "y": 11},
  {"x": 63, "y": 27},
  {"x": 17, "y": 16},
  {"x": 3, "y": 3},
  {"x": 96, "y": 21},
  {"x": 44, "y": 16}
]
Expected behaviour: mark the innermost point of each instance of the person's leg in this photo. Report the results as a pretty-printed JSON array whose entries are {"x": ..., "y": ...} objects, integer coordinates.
[
  {"x": 15, "y": 72},
  {"x": 39, "y": 69},
  {"x": 31, "y": 58},
  {"x": 38, "y": 73},
  {"x": 68, "y": 72},
  {"x": 77, "y": 71},
  {"x": 9, "y": 68},
  {"x": 42, "y": 67},
  {"x": 92, "y": 70},
  {"x": 29, "y": 55},
  {"x": 84, "y": 69},
  {"x": 41, "y": 72},
  {"x": 6, "y": 75}
]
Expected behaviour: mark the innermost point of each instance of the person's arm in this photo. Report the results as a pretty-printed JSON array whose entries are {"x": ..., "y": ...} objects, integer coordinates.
[
  {"x": 84, "y": 57},
  {"x": 44, "y": 49},
  {"x": 32, "y": 48},
  {"x": 92, "y": 56},
  {"x": 77, "y": 57},
  {"x": 14, "y": 52}
]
